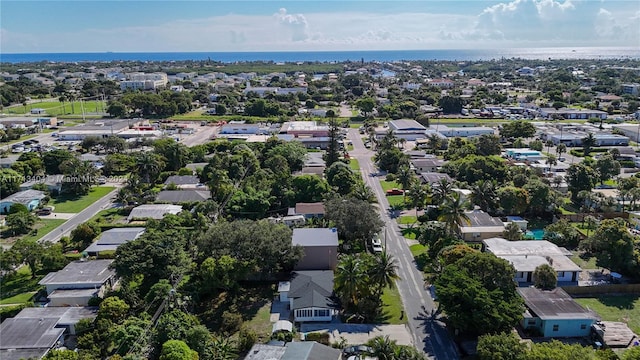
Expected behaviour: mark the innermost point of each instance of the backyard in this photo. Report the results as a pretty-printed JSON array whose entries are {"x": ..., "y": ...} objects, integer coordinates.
[
  {"x": 392, "y": 310},
  {"x": 19, "y": 288},
  {"x": 624, "y": 308},
  {"x": 42, "y": 227},
  {"x": 74, "y": 204}
]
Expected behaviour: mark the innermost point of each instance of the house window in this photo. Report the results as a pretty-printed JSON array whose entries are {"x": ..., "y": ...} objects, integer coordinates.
[
  {"x": 583, "y": 326},
  {"x": 519, "y": 275},
  {"x": 560, "y": 274},
  {"x": 556, "y": 327},
  {"x": 531, "y": 321},
  {"x": 305, "y": 313},
  {"x": 321, "y": 313}
]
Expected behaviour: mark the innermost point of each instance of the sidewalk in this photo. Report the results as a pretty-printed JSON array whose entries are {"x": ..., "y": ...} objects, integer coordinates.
[{"x": 55, "y": 215}]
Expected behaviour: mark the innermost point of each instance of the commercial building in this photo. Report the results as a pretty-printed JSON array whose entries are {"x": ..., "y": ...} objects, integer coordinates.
[
  {"x": 409, "y": 130},
  {"x": 301, "y": 129},
  {"x": 467, "y": 131},
  {"x": 571, "y": 114}
]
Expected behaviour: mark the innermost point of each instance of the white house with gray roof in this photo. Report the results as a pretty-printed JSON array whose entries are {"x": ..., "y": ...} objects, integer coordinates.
[
  {"x": 78, "y": 282},
  {"x": 112, "y": 238},
  {"x": 310, "y": 295},
  {"x": 29, "y": 338},
  {"x": 29, "y": 198}
]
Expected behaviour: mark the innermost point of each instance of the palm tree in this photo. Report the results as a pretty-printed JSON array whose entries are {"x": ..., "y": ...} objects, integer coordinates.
[
  {"x": 588, "y": 143},
  {"x": 383, "y": 348},
  {"x": 441, "y": 190},
  {"x": 384, "y": 273},
  {"x": 123, "y": 197},
  {"x": 405, "y": 178},
  {"x": 148, "y": 165},
  {"x": 561, "y": 149},
  {"x": 434, "y": 142},
  {"x": 401, "y": 142},
  {"x": 224, "y": 348},
  {"x": 62, "y": 99},
  {"x": 418, "y": 195},
  {"x": 483, "y": 194},
  {"x": 453, "y": 214},
  {"x": 549, "y": 145},
  {"x": 551, "y": 161},
  {"x": 362, "y": 191},
  {"x": 349, "y": 280}
]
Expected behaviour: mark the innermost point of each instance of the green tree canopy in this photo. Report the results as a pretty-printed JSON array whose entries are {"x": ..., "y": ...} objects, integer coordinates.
[
  {"x": 342, "y": 210},
  {"x": 545, "y": 277},
  {"x": 478, "y": 294}
]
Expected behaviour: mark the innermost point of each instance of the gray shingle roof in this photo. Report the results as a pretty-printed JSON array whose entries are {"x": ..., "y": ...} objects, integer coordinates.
[
  {"x": 310, "y": 350},
  {"x": 481, "y": 218},
  {"x": 65, "y": 315},
  {"x": 29, "y": 333},
  {"x": 120, "y": 235},
  {"x": 80, "y": 272},
  {"x": 182, "y": 180},
  {"x": 24, "y": 197},
  {"x": 315, "y": 237},
  {"x": 182, "y": 196},
  {"x": 311, "y": 289},
  {"x": 20, "y": 354},
  {"x": 434, "y": 177}
]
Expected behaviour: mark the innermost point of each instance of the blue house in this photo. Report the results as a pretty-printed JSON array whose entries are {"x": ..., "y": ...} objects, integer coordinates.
[
  {"x": 29, "y": 198},
  {"x": 553, "y": 313}
]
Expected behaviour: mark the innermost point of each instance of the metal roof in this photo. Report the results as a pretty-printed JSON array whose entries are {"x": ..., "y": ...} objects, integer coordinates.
[
  {"x": 65, "y": 315},
  {"x": 153, "y": 211},
  {"x": 500, "y": 246},
  {"x": 553, "y": 304},
  {"x": 315, "y": 237}
]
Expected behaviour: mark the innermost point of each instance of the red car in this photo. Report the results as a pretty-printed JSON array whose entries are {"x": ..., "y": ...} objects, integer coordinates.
[{"x": 395, "y": 191}]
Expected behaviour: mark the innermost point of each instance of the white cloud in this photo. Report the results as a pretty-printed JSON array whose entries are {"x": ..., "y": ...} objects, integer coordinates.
[{"x": 537, "y": 23}]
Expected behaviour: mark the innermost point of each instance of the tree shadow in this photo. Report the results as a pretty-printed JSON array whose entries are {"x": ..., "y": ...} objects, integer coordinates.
[{"x": 622, "y": 302}]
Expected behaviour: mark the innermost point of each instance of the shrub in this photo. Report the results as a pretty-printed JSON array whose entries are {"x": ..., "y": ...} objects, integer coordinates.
[
  {"x": 390, "y": 177},
  {"x": 285, "y": 336},
  {"x": 231, "y": 322},
  {"x": 321, "y": 337},
  {"x": 246, "y": 338}
]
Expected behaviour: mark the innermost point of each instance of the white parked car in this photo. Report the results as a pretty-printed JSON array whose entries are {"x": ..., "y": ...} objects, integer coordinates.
[{"x": 376, "y": 244}]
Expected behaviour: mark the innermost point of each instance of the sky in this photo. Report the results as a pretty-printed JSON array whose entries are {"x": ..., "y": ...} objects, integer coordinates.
[{"x": 333, "y": 25}]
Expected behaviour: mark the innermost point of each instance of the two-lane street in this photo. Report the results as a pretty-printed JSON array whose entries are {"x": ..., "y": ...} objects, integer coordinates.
[{"x": 429, "y": 334}]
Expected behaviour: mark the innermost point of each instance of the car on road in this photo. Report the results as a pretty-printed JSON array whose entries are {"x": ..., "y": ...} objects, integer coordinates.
[
  {"x": 394, "y": 191},
  {"x": 376, "y": 244}
]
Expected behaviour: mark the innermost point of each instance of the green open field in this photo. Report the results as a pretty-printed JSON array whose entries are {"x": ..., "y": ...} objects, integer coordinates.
[
  {"x": 407, "y": 219},
  {"x": 109, "y": 216},
  {"x": 44, "y": 227},
  {"x": 18, "y": 288},
  {"x": 68, "y": 204},
  {"x": 354, "y": 164},
  {"x": 624, "y": 308},
  {"x": 392, "y": 310},
  {"x": 56, "y": 108}
]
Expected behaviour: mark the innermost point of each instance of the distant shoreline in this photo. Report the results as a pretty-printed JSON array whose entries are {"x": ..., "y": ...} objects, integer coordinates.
[{"x": 563, "y": 53}]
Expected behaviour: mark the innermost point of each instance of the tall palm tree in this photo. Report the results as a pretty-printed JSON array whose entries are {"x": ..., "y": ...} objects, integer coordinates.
[
  {"x": 588, "y": 143},
  {"x": 362, "y": 191},
  {"x": 148, "y": 165},
  {"x": 405, "y": 178},
  {"x": 384, "y": 273},
  {"x": 549, "y": 145},
  {"x": 483, "y": 194},
  {"x": 401, "y": 142},
  {"x": 453, "y": 214},
  {"x": 561, "y": 149},
  {"x": 441, "y": 191},
  {"x": 418, "y": 195},
  {"x": 551, "y": 161},
  {"x": 349, "y": 280},
  {"x": 434, "y": 142}
]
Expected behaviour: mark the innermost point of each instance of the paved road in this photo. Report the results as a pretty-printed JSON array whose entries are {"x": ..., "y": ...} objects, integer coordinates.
[
  {"x": 429, "y": 335},
  {"x": 81, "y": 217}
]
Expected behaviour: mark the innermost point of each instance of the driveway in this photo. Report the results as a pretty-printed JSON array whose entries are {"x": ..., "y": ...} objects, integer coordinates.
[{"x": 357, "y": 334}]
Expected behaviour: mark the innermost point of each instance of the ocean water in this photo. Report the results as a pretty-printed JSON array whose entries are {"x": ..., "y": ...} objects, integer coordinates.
[{"x": 329, "y": 56}]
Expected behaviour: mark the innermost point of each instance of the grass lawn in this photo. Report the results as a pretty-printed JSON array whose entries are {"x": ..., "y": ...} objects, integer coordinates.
[
  {"x": 44, "y": 227},
  {"x": 260, "y": 322},
  {"x": 354, "y": 164},
  {"x": 396, "y": 201},
  {"x": 388, "y": 185},
  {"x": 18, "y": 288},
  {"x": 392, "y": 310},
  {"x": 419, "y": 253},
  {"x": 57, "y": 108},
  {"x": 22, "y": 138},
  {"x": 611, "y": 182},
  {"x": 407, "y": 219},
  {"x": 409, "y": 233},
  {"x": 584, "y": 262},
  {"x": 68, "y": 204},
  {"x": 108, "y": 216},
  {"x": 625, "y": 308}
]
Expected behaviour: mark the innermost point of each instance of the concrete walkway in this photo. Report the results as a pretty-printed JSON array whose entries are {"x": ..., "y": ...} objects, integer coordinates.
[
  {"x": 357, "y": 334},
  {"x": 55, "y": 215}
]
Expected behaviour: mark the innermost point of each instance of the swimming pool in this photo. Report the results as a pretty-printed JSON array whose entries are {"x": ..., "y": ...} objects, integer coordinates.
[{"x": 536, "y": 234}]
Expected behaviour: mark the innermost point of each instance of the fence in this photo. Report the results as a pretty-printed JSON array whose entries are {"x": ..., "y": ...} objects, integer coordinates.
[{"x": 605, "y": 289}]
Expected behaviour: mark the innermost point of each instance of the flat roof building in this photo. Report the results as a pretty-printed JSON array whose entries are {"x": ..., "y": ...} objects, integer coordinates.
[{"x": 153, "y": 211}]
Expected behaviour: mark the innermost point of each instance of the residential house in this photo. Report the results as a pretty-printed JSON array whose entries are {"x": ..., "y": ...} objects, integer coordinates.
[
  {"x": 310, "y": 295},
  {"x": 526, "y": 255},
  {"x": 6, "y": 162},
  {"x": 184, "y": 181},
  {"x": 153, "y": 211},
  {"x": 304, "y": 350},
  {"x": 320, "y": 247},
  {"x": 96, "y": 160},
  {"x": 308, "y": 210},
  {"x": 29, "y": 198},
  {"x": 425, "y": 165},
  {"x": 68, "y": 317},
  {"x": 112, "y": 238},
  {"x": 29, "y": 338},
  {"x": 481, "y": 226},
  {"x": 52, "y": 182},
  {"x": 433, "y": 178},
  {"x": 553, "y": 313},
  {"x": 78, "y": 282},
  {"x": 182, "y": 196}
]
